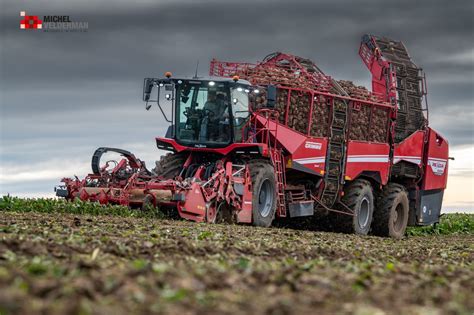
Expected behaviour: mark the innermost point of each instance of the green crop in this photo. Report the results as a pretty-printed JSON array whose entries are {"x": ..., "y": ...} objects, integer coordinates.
[
  {"x": 50, "y": 205},
  {"x": 452, "y": 223},
  {"x": 455, "y": 223}
]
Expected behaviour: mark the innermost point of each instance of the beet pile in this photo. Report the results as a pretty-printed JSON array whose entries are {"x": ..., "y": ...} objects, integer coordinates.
[
  {"x": 358, "y": 92},
  {"x": 299, "y": 112},
  {"x": 359, "y": 128},
  {"x": 320, "y": 120},
  {"x": 366, "y": 122},
  {"x": 285, "y": 76},
  {"x": 380, "y": 125}
]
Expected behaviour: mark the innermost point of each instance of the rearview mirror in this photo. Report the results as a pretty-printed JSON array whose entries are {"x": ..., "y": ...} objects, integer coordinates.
[
  {"x": 271, "y": 96},
  {"x": 147, "y": 88}
]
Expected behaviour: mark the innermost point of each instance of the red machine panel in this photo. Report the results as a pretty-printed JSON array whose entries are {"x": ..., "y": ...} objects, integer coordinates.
[
  {"x": 307, "y": 154},
  {"x": 366, "y": 156},
  {"x": 410, "y": 149},
  {"x": 288, "y": 138},
  {"x": 436, "y": 162},
  {"x": 311, "y": 155}
]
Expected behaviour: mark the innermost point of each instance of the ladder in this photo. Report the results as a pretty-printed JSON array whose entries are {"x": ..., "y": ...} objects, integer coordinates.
[
  {"x": 336, "y": 152},
  {"x": 276, "y": 155}
]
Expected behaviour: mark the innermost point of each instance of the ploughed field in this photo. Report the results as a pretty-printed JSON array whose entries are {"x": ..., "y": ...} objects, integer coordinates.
[{"x": 62, "y": 262}]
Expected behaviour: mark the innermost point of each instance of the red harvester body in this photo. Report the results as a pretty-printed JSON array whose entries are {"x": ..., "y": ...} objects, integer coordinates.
[{"x": 280, "y": 139}]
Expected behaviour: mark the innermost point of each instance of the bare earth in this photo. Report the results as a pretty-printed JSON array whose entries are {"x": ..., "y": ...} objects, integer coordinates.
[{"x": 61, "y": 264}]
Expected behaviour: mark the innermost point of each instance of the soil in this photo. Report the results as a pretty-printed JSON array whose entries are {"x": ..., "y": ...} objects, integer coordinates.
[{"x": 67, "y": 264}]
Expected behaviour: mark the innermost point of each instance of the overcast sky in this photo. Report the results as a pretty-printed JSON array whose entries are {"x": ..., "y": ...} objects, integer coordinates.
[{"x": 64, "y": 94}]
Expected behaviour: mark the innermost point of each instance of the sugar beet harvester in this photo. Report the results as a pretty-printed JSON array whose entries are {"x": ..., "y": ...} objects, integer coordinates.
[{"x": 280, "y": 139}]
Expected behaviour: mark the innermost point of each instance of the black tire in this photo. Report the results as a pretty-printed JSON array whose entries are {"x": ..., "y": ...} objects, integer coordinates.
[
  {"x": 169, "y": 166},
  {"x": 359, "y": 197},
  {"x": 264, "y": 197},
  {"x": 391, "y": 215}
]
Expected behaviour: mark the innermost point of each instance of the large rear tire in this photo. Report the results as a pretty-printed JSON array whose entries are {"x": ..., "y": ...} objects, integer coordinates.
[
  {"x": 264, "y": 198},
  {"x": 359, "y": 197},
  {"x": 169, "y": 166},
  {"x": 391, "y": 215}
]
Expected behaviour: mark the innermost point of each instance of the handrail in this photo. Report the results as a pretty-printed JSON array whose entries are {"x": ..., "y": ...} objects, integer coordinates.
[{"x": 263, "y": 131}]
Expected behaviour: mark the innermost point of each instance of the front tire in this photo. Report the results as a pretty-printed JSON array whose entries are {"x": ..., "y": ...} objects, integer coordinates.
[
  {"x": 264, "y": 200},
  {"x": 359, "y": 197},
  {"x": 391, "y": 216}
]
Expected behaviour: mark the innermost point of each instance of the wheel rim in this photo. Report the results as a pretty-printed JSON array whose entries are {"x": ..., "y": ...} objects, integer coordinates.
[
  {"x": 364, "y": 213},
  {"x": 265, "y": 198},
  {"x": 398, "y": 217}
]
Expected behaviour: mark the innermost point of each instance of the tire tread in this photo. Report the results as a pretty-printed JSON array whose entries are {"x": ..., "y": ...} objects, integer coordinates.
[{"x": 384, "y": 207}]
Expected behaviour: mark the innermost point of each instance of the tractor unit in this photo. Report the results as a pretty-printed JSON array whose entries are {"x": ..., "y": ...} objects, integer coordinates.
[{"x": 280, "y": 139}]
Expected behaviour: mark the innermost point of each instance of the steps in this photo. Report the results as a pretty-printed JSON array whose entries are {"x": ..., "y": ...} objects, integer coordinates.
[
  {"x": 280, "y": 181},
  {"x": 336, "y": 151}
]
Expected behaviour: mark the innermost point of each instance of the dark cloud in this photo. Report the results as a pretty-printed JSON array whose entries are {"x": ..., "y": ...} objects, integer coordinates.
[{"x": 62, "y": 93}]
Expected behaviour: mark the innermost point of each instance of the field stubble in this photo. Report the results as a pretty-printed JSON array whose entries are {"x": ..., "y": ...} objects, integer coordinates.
[{"x": 62, "y": 263}]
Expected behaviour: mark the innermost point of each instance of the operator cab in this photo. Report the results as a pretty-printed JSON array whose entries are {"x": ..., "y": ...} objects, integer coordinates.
[{"x": 208, "y": 112}]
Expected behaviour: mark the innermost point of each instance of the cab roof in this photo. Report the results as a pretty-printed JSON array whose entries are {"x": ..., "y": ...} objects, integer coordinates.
[{"x": 207, "y": 78}]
